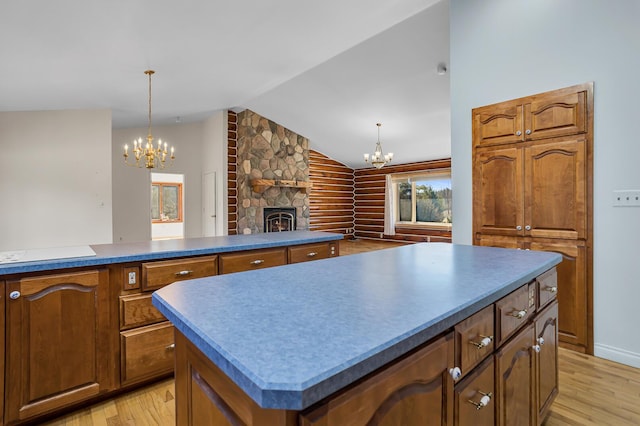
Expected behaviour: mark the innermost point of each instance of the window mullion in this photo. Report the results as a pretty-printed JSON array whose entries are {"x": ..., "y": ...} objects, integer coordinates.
[{"x": 413, "y": 202}]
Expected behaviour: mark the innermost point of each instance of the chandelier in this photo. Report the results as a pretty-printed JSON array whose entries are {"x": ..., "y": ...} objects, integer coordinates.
[
  {"x": 378, "y": 159},
  {"x": 146, "y": 154}
]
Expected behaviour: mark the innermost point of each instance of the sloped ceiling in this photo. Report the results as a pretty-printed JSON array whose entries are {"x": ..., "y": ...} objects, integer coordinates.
[{"x": 328, "y": 70}]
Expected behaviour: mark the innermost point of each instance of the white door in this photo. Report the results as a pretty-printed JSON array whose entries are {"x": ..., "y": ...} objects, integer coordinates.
[{"x": 209, "y": 204}]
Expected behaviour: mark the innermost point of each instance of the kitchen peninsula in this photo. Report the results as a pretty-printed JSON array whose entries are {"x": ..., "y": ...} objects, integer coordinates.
[
  {"x": 421, "y": 333},
  {"x": 82, "y": 328}
]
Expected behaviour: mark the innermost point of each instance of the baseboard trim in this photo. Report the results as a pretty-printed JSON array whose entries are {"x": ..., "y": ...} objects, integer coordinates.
[{"x": 616, "y": 354}]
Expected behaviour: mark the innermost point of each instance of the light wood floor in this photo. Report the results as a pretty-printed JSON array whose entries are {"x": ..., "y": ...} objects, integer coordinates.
[{"x": 593, "y": 391}]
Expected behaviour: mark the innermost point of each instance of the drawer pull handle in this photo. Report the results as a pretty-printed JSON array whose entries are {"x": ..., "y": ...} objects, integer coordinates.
[
  {"x": 312, "y": 254},
  {"x": 257, "y": 262},
  {"x": 171, "y": 347},
  {"x": 183, "y": 273},
  {"x": 455, "y": 373},
  {"x": 484, "y": 401},
  {"x": 486, "y": 341},
  {"x": 519, "y": 314},
  {"x": 552, "y": 289}
]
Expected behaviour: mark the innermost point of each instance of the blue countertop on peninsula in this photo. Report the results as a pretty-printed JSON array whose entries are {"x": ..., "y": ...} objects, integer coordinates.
[
  {"x": 290, "y": 336},
  {"x": 164, "y": 249}
]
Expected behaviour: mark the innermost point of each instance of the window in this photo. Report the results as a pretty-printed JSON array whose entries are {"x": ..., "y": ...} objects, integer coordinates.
[
  {"x": 166, "y": 202},
  {"x": 424, "y": 199}
]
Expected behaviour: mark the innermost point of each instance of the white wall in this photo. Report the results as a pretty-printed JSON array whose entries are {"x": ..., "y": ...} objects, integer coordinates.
[
  {"x": 132, "y": 185},
  {"x": 214, "y": 160},
  {"x": 505, "y": 49},
  {"x": 55, "y": 178}
]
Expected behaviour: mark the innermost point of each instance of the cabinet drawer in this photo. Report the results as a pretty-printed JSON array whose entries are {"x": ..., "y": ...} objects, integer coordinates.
[
  {"x": 254, "y": 259},
  {"x": 512, "y": 312},
  {"x": 474, "y": 339},
  {"x": 146, "y": 352},
  {"x": 477, "y": 388},
  {"x": 137, "y": 310},
  {"x": 308, "y": 252},
  {"x": 407, "y": 392},
  {"x": 159, "y": 274},
  {"x": 547, "y": 287}
]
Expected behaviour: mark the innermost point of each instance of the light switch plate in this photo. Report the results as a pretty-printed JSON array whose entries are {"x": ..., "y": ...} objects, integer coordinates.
[{"x": 626, "y": 198}]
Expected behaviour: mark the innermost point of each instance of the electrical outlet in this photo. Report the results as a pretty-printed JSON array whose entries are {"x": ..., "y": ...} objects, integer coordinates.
[
  {"x": 132, "y": 278},
  {"x": 626, "y": 198}
]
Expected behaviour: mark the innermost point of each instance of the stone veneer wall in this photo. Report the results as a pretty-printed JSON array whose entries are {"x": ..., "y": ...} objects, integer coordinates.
[{"x": 266, "y": 150}]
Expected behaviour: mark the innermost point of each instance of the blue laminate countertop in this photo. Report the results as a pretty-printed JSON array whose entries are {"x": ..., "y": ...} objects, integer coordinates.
[
  {"x": 292, "y": 335},
  {"x": 164, "y": 249}
]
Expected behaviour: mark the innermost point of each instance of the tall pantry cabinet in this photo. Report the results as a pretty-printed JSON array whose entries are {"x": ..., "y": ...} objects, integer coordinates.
[{"x": 532, "y": 189}]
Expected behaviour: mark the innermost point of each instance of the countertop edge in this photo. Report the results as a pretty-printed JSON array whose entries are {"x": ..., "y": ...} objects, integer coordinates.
[{"x": 260, "y": 241}]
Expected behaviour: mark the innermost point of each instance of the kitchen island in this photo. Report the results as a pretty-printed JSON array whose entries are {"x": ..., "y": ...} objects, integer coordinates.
[
  {"x": 368, "y": 338},
  {"x": 81, "y": 328}
]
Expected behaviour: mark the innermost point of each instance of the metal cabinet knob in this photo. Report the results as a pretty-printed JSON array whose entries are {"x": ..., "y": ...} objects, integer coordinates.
[
  {"x": 14, "y": 295},
  {"x": 551, "y": 289},
  {"x": 528, "y": 227},
  {"x": 519, "y": 314},
  {"x": 528, "y": 131},
  {"x": 540, "y": 341},
  {"x": 518, "y": 228},
  {"x": 486, "y": 341},
  {"x": 518, "y": 133},
  {"x": 484, "y": 401},
  {"x": 536, "y": 348}
]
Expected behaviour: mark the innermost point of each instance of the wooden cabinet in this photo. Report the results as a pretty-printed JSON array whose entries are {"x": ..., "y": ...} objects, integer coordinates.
[
  {"x": 307, "y": 252},
  {"x": 137, "y": 310},
  {"x": 559, "y": 113},
  {"x": 515, "y": 380},
  {"x": 414, "y": 391},
  {"x": 474, "y": 403},
  {"x": 146, "y": 352},
  {"x": 575, "y": 323},
  {"x": 512, "y": 312},
  {"x": 538, "y": 191},
  {"x": 252, "y": 260},
  {"x": 546, "y": 332},
  {"x": 532, "y": 189},
  {"x": 160, "y": 273},
  {"x": 58, "y": 349},
  {"x": 2, "y": 349},
  {"x": 474, "y": 339}
]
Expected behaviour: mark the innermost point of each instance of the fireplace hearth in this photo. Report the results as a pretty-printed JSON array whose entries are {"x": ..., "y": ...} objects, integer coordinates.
[{"x": 279, "y": 219}]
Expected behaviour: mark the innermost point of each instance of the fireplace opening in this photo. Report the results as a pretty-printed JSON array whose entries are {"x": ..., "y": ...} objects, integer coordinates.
[{"x": 279, "y": 219}]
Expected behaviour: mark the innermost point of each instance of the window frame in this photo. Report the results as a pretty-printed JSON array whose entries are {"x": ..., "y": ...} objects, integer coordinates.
[
  {"x": 398, "y": 178},
  {"x": 161, "y": 186}
]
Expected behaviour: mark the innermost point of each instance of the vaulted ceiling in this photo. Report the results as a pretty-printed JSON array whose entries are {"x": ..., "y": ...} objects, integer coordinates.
[{"x": 328, "y": 70}]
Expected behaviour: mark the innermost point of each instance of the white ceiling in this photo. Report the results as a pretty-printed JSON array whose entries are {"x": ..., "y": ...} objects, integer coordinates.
[{"x": 328, "y": 70}]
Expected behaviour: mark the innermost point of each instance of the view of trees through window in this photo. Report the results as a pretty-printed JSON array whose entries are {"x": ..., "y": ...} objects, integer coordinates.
[
  {"x": 166, "y": 199},
  {"x": 425, "y": 200}
]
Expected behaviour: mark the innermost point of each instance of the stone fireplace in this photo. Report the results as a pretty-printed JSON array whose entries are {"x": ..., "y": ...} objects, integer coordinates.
[
  {"x": 268, "y": 152},
  {"x": 279, "y": 219}
]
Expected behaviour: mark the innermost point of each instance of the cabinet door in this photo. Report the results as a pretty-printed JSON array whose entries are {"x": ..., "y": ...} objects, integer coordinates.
[
  {"x": 497, "y": 124},
  {"x": 2, "y": 332},
  {"x": 414, "y": 391},
  {"x": 515, "y": 395},
  {"x": 573, "y": 290},
  {"x": 58, "y": 342},
  {"x": 497, "y": 192},
  {"x": 548, "y": 116},
  {"x": 546, "y": 327},
  {"x": 556, "y": 189}
]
